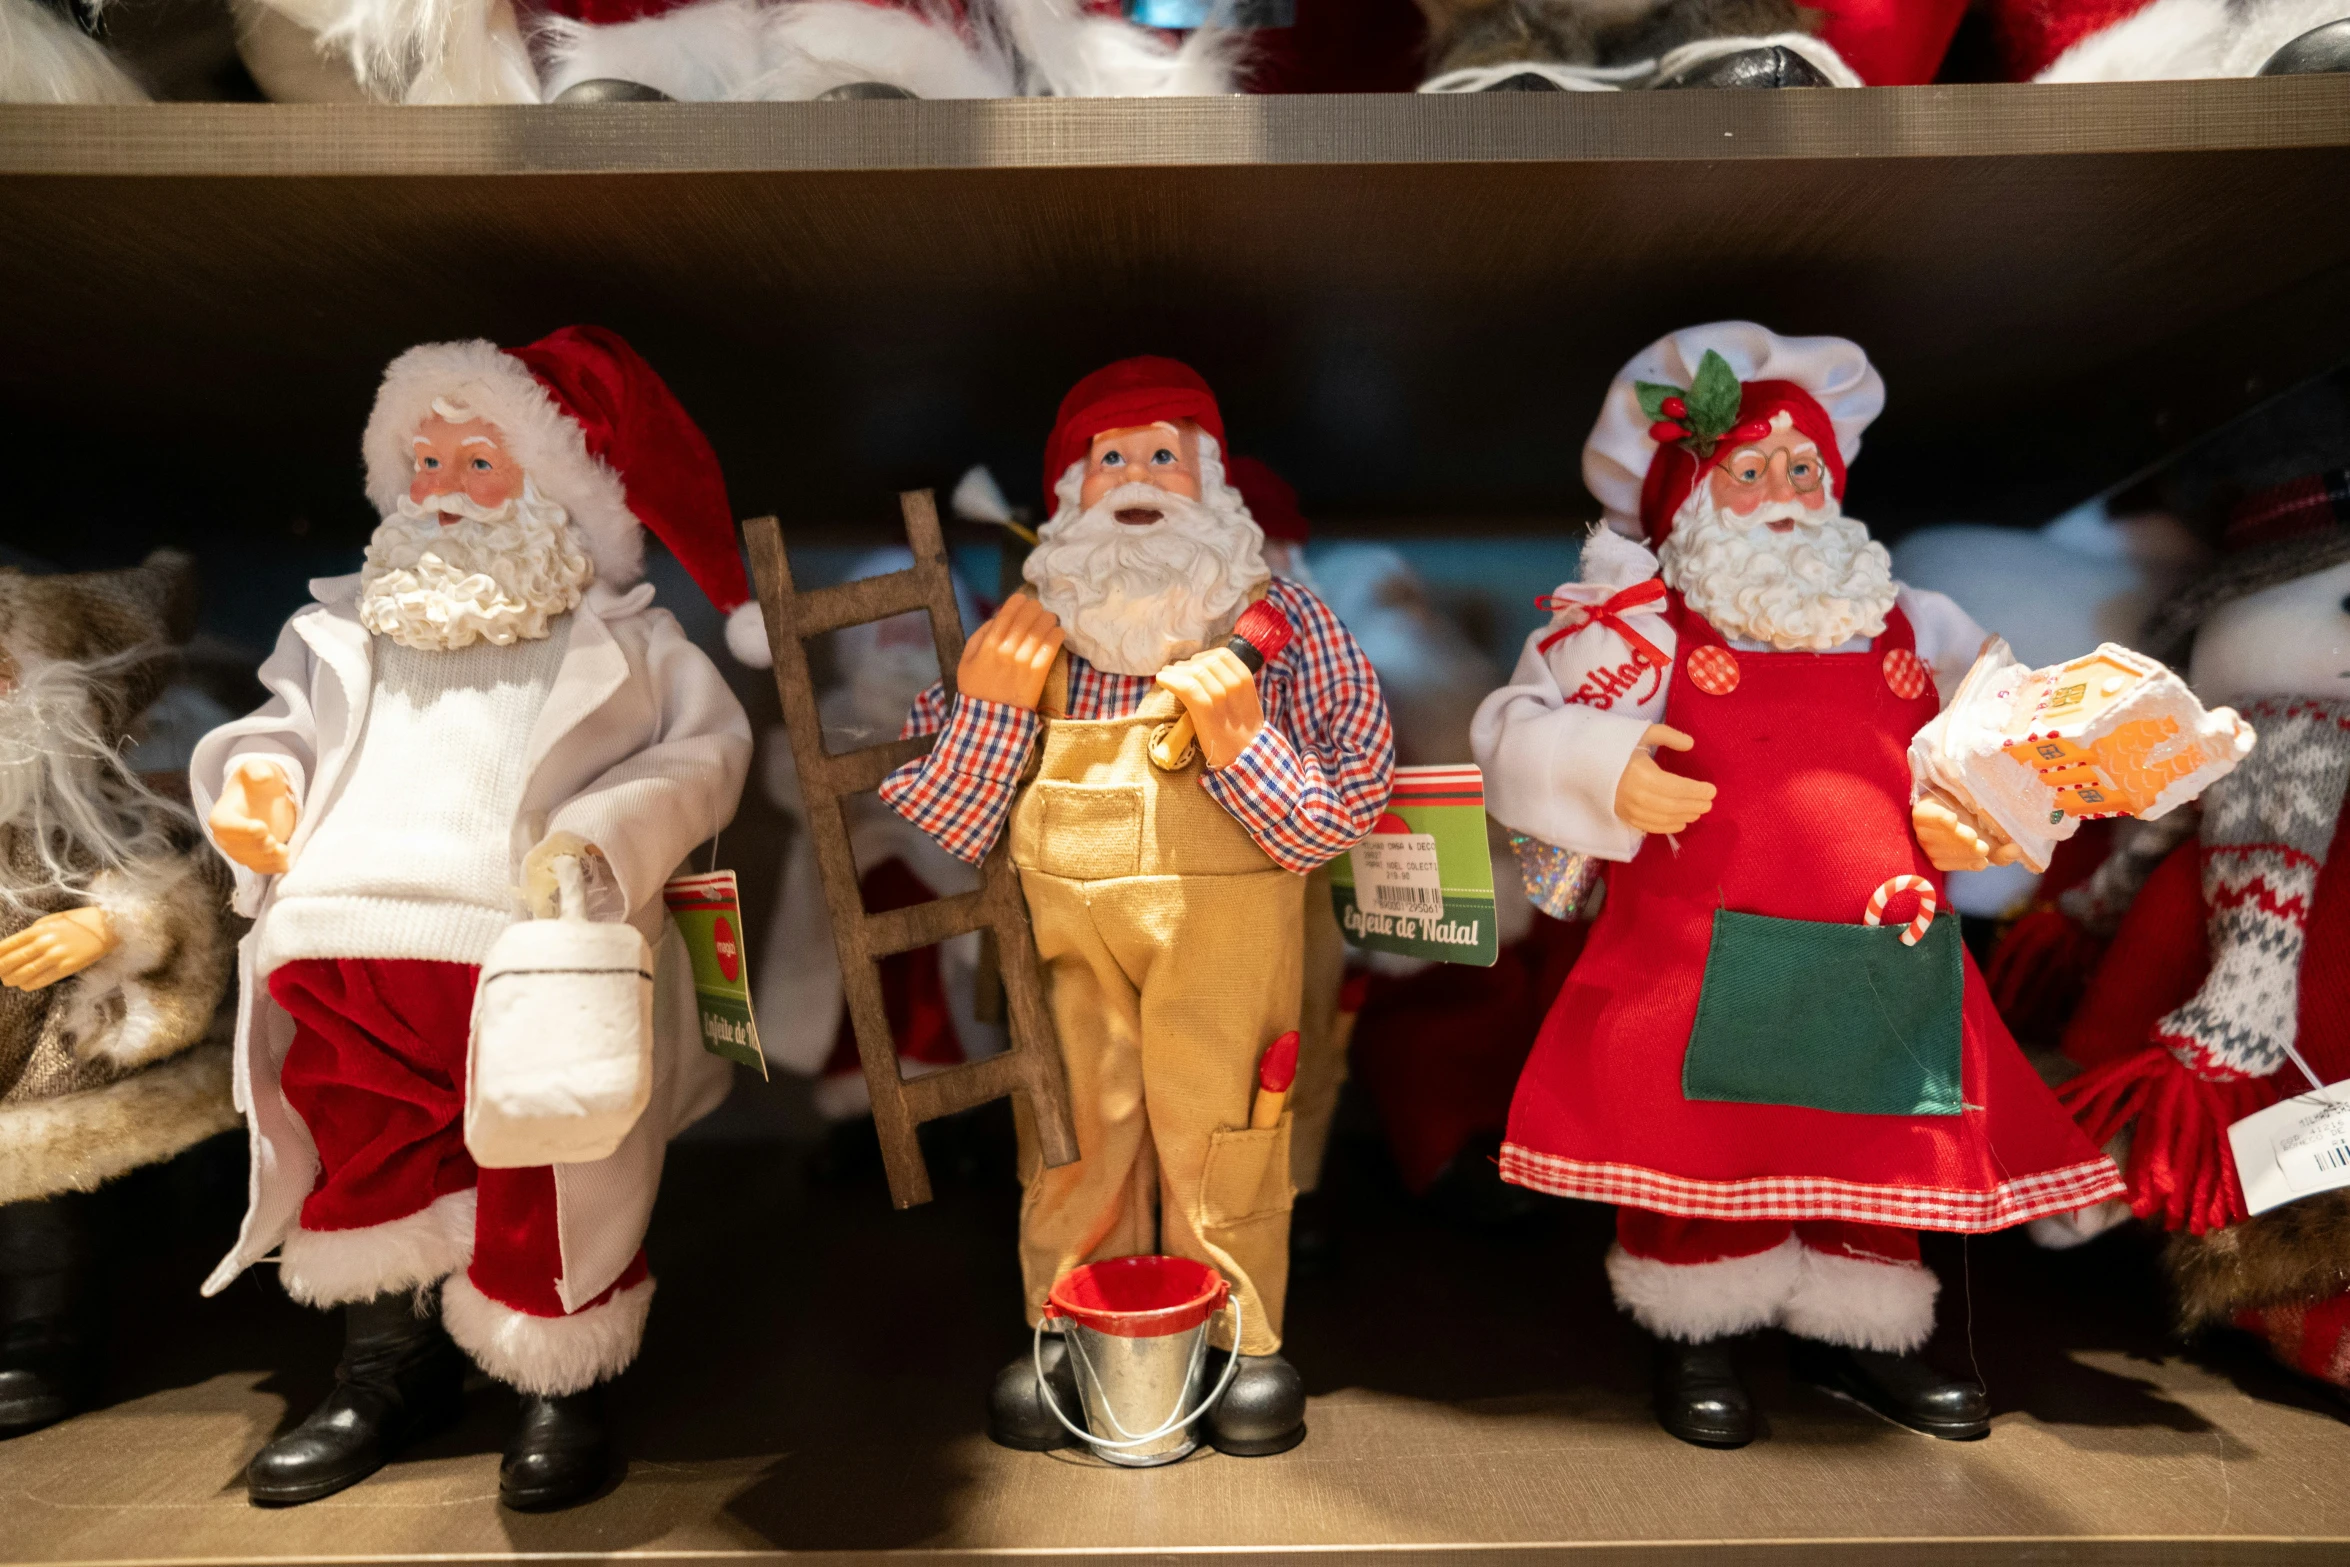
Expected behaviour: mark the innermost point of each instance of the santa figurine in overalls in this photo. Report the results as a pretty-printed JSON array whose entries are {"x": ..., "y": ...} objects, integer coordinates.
[
  {"x": 494, "y": 693},
  {"x": 1777, "y": 1096},
  {"x": 1166, "y": 902}
]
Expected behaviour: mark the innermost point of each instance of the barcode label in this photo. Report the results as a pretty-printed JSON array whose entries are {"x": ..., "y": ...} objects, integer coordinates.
[
  {"x": 1395, "y": 873},
  {"x": 2293, "y": 1149},
  {"x": 1390, "y": 898}
]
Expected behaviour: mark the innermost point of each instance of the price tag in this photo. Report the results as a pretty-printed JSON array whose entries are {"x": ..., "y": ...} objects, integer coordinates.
[
  {"x": 1421, "y": 885},
  {"x": 1395, "y": 873},
  {"x": 2293, "y": 1149},
  {"x": 707, "y": 911}
]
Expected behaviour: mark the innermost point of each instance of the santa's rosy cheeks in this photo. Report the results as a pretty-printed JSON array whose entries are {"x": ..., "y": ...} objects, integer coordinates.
[
  {"x": 1164, "y": 455},
  {"x": 463, "y": 457},
  {"x": 1779, "y": 466}
]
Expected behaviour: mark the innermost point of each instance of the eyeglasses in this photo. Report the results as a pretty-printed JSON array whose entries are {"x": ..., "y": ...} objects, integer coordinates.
[{"x": 1750, "y": 465}]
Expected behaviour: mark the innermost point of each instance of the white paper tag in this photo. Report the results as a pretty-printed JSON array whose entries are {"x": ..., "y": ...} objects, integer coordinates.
[
  {"x": 2293, "y": 1149},
  {"x": 1395, "y": 873}
]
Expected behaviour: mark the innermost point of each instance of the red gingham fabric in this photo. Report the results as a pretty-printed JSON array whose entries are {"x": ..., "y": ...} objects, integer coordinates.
[
  {"x": 1307, "y": 788},
  {"x": 1906, "y": 673},
  {"x": 1713, "y": 670}
]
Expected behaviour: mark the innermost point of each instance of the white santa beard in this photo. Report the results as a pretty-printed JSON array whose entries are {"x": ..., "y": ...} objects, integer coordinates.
[
  {"x": 501, "y": 579},
  {"x": 1810, "y": 589},
  {"x": 1135, "y": 599},
  {"x": 63, "y": 790}
]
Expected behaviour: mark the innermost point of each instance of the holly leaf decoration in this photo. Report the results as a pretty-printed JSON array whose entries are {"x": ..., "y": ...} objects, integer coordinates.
[
  {"x": 1713, "y": 398},
  {"x": 1653, "y": 395}
]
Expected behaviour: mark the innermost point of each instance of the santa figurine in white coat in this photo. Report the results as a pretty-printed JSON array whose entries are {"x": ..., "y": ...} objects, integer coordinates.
[
  {"x": 1777, "y": 1097},
  {"x": 494, "y": 692}
]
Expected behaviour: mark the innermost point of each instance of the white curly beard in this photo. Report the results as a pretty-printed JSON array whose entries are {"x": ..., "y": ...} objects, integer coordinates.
[
  {"x": 1135, "y": 599},
  {"x": 499, "y": 576},
  {"x": 1808, "y": 590}
]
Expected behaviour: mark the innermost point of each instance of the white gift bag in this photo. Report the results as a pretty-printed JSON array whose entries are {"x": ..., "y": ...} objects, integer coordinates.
[{"x": 560, "y": 1063}]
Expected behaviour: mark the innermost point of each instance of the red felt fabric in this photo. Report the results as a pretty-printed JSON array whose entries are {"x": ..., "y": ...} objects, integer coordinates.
[
  {"x": 1810, "y": 756},
  {"x": 1891, "y": 43},
  {"x": 635, "y": 425},
  {"x": 2158, "y": 959},
  {"x": 1271, "y": 500},
  {"x": 1674, "y": 471},
  {"x": 1121, "y": 396},
  {"x": 1682, "y": 1243},
  {"x": 376, "y": 1072},
  {"x": 2030, "y": 34},
  {"x": 2042, "y": 964}
]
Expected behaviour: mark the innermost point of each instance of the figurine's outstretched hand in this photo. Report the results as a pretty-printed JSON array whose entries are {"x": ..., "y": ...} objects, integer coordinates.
[
  {"x": 1954, "y": 840},
  {"x": 254, "y": 817},
  {"x": 1007, "y": 659},
  {"x": 1649, "y": 799},
  {"x": 55, "y": 947}
]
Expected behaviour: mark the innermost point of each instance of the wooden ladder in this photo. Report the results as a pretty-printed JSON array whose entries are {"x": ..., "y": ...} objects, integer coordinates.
[{"x": 1031, "y": 1067}]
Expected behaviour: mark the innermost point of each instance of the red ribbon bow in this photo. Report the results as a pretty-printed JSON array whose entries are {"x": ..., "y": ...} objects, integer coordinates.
[{"x": 1609, "y": 613}]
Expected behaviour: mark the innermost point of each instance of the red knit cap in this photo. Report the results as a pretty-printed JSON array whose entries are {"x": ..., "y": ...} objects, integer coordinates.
[
  {"x": 1675, "y": 470},
  {"x": 1121, "y": 396},
  {"x": 1270, "y": 500}
]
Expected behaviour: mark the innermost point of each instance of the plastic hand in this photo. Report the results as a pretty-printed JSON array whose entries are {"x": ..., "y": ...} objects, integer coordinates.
[
  {"x": 1007, "y": 659},
  {"x": 1954, "y": 840},
  {"x": 1220, "y": 694},
  {"x": 254, "y": 817},
  {"x": 1649, "y": 799},
  {"x": 55, "y": 947}
]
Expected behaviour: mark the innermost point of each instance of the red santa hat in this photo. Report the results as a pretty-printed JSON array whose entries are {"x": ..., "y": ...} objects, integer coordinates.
[
  {"x": 1824, "y": 385},
  {"x": 1132, "y": 392},
  {"x": 1270, "y": 500},
  {"x": 598, "y": 432}
]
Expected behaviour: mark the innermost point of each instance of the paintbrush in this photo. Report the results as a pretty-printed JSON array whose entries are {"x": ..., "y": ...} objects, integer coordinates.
[
  {"x": 1257, "y": 639},
  {"x": 1274, "y": 1077}
]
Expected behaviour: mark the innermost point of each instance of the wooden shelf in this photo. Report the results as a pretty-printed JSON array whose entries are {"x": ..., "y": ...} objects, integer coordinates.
[{"x": 1409, "y": 303}]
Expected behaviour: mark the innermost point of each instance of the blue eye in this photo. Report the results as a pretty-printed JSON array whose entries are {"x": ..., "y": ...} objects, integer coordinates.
[
  {"x": 1162, "y": 456},
  {"x": 431, "y": 462},
  {"x": 1113, "y": 459},
  {"x": 481, "y": 465}
]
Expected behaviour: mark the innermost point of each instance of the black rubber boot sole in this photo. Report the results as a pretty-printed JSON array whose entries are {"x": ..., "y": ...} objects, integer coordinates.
[
  {"x": 1258, "y": 1447},
  {"x": 1864, "y": 1394}
]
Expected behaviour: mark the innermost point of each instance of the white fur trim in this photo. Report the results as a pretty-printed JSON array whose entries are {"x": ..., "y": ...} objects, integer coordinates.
[
  {"x": 46, "y": 59},
  {"x": 166, "y": 914},
  {"x": 1614, "y": 561},
  {"x": 78, "y": 1141},
  {"x": 1833, "y": 370},
  {"x": 548, "y": 1356},
  {"x": 1068, "y": 54},
  {"x": 2173, "y": 40},
  {"x": 332, "y": 1267},
  {"x": 422, "y": 51},
  {"x": 547, "y": 442},
  {"x": 746, "y": 635},
  {"x": 719, "y": 50},
  {"x": 1817, "y": 51},
  {"x": 2064, "y": 1231},
  {"x": 1861, "y": 1304},
  {"x": 1696, "y": 1302},
  {"x": 1567, "y": 78}
]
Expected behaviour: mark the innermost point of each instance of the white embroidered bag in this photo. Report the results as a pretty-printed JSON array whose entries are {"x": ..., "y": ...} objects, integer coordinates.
[{"x": 561, "y": 1059}]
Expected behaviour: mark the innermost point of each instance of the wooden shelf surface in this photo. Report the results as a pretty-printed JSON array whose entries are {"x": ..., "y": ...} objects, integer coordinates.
[{"x": 1411, "y": 304}]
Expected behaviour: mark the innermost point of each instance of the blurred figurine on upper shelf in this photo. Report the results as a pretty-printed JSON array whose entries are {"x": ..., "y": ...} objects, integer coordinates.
[
  {"x": 114, "y": 952},
  {"x": 1164, "y": 871},
  {"x": 1770, "y": 1054},
  {"x": 1611, "y": 45},
  {"x": 53, "y": 51},
  {"x": 2157, "y": 40},
  {"x": 490, "y": 720},
  {"x": 601, "y": 51}
]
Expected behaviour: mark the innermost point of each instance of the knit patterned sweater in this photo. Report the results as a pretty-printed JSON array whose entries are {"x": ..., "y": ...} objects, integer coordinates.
[{"x": 414, "y": 856}]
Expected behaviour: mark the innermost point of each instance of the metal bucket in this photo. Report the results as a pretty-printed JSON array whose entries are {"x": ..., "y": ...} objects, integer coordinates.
[{"x": 1137, "y": 1336}]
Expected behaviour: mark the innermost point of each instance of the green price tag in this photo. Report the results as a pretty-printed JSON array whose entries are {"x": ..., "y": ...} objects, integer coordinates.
[
  {"x": 709, "y": 915},
  {"x": 1422, "y": 883}
]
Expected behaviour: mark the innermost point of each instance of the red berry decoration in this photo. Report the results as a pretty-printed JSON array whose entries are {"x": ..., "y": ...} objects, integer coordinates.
[
  {"x": 1751, "y": 430},
  {"x": 1675, "y": 408},
  {"x": 1666, "y": 430}
]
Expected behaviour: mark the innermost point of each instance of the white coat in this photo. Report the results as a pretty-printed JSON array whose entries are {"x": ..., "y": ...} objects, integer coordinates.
[{"x": 641, "y": 750}]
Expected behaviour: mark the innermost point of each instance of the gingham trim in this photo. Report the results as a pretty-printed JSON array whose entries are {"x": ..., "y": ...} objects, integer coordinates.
[{"x": 1799, "y": 1197}]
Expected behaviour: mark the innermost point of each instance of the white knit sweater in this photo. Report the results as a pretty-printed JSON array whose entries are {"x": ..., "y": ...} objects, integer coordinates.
[{"x": 414, "y": 856}]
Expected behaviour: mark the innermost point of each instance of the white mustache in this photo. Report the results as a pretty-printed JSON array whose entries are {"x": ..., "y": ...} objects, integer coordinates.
[{"x": 454, "y": 503}]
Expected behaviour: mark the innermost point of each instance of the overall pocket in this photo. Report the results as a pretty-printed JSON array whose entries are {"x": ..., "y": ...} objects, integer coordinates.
[
  {"x": 1823, "y": 1016},
  {"x": 1246, "y": 1176},
  {"x": 1087, "y": 832}
]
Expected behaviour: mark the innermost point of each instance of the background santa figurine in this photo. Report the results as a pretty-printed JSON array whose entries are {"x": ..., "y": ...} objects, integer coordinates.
[
  {"x": 2148, "y": 40},
  {"x": 1777, "y": 1097},
  {"x": 1607, "y": 45},
  {"x": 2227, "y": 985},
  {"x": 114, "y": 952},
  {"x": 492, "y": 700},
  {"x": 1165, "y": 890},
  {"x": 52, "y": 51}
]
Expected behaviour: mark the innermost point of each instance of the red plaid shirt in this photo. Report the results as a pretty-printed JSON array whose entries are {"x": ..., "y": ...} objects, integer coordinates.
[{"x": 1307, "y": 788}]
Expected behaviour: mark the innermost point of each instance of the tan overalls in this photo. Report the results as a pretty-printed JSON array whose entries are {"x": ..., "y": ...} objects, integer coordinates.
[{"x": 1172, "y": 950}]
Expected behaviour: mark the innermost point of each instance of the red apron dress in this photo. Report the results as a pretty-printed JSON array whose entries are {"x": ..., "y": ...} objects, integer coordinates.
[{"x": 1810, "y": 755}]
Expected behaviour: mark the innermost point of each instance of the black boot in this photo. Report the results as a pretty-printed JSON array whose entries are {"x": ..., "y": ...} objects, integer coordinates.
[
  {"x": 1902, "y": 1388},
  {"x": 1698, "y": 1395},
  {"x": 560, "y": 1453},
  {"x": 2320, "y": 51},
  {"x": 399, "y": 1377},
  {"x": 44, "y": 1286},
  {"x": 1264, "y": 1410},
  {"x": 1017, "y": 1416},
  {"x": 1764, "y": 65}
]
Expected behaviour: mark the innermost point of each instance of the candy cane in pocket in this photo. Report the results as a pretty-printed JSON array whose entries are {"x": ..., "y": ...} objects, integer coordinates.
[{"x": 1874, "y": 914}]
